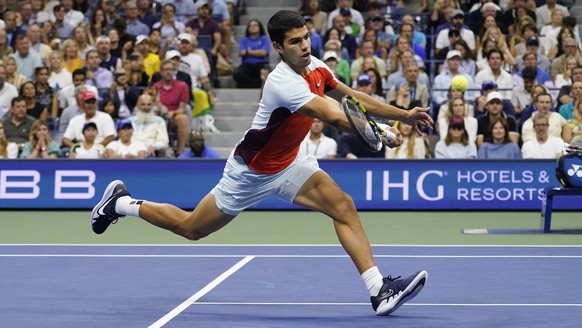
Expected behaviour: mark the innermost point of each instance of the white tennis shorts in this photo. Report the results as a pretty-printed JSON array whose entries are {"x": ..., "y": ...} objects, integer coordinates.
[{"x": 241, "y": 187}]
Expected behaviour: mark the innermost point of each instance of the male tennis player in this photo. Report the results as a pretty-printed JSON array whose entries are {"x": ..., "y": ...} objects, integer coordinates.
[{"x": 266, "y": 163}]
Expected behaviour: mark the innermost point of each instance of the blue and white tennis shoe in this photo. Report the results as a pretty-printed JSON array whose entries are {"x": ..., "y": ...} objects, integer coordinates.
[
  {"x": 103, "y": 213},
  {"x": 396, "y": 291}
]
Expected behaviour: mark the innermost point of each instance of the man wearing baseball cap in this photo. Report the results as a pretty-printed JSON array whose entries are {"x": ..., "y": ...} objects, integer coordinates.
[
  {"x": 443, "y": 80},
  {"x": 457, "y": 23},
  {"x": 104, "y": 122},
  {"x": 151, "y": 61},
  {"x": 494, "y": 106}
]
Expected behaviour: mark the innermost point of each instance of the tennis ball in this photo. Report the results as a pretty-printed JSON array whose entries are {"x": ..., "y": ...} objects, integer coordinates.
[{"x": 460, "y": 83}]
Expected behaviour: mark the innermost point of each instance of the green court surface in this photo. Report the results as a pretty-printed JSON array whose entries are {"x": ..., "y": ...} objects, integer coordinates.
[{"x": 298, "y": 227}]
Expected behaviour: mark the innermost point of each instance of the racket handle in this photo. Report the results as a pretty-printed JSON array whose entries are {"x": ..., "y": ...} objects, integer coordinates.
[{"x": 389, "y": 134}]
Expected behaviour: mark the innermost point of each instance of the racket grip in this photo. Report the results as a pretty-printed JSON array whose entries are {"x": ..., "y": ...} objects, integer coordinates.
[{"x": 389, "y": 134}]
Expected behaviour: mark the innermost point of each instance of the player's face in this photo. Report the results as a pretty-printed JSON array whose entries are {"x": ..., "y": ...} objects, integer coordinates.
[{"x": 296, "y": 48}]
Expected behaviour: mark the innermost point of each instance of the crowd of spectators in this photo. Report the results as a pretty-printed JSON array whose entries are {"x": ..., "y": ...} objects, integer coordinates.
[{"x": 137, "y": 78}]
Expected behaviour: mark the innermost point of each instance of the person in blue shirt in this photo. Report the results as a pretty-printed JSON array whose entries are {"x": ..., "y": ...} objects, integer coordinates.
[
  {"x": 254, "y": 50},
  {"x": 499, "y": 145},
  {"x": 198, "y": 149}
]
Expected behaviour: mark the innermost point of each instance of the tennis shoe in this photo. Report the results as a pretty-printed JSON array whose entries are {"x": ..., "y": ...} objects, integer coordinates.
[
  {"x": 397, "y": 291},
  {"x": 103, "y": 213}
]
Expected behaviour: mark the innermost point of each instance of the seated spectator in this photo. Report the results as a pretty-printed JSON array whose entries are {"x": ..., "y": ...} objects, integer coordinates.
[
  {"x": 443, "y": 80},
  {"x": 60, "y": 77},
  {"x": 457, "y": 23},
  {"x": 565, "y": 95},
  {"x": 530, "y": 59},
  {"x": 97, "y": 76},
  {"x": 567, "y": 109},
  {"x": 13, "y": 75},
  {"x": 521, "y": 96},
  {"x": 405, "y": 58},
  {"x": 343, "y": 66},
  {"x": 499, "y": 146},
  {"x": 532, "y": 45},
  {"x": 576, "y": 122},
  {"x": 312, "y": 8},
  {"x": 494, "y": 109},
  {"x": 45, "y": 94},
  {"x": 469, "y": 109},
  {"x": 316, "y": 38},
  {"x": 123, "y": 94},
  {"x": 410, "y": 93},
  {"x": 88, "y": 148},
  {"x": 481, "y": 102},
  {"x": 254, "y": 50},
  {"x": 174, "y": 94},
  {"x": 542, "y": 145},
  {"x": 71, "y": 58},
  {"x": 330, "y": 58},
  {"x": 318, "y": 144},
  {"x": 351, "y": 146},
  {"x": 494, "y": 34},
  {"x": 150, "y": 60},
  {"x": 396, "y": 61},
  {"x": 367, "y": 50},
  {"x": 564, "y": 78},
  {"x": 7, "y": 92},
  {"x": 559, "y": 47},
  {"x": 544, "y": 12},
  {"x": 349, "y": 42},
  {"x": 73, "y": 109},
  {"x": 412, "y": 146},
  {"x": 105, "y": 125},
  {"x": 569, "y": 48},
  {"x": 17, "y": 124},
  {"x": 558, "y": 125},
  {"x": 530, "y": 108},
  {"x": 7, "y": 149},
  {"x": 135, "y": 71},
  {"x": 68, "y": 93},
  {"x": 168, "y": 25},
  {"x": 27, "y": 60},
  {"x": 333, "y": 34},
  {"x": 456, "y": 144},
  {"x": 40, "y": 144},
  {"x": 496, "y": 74},
  {"x": 149, "y": 128},
  {"x": 197, "y": 148},
  {"x": 457, "y": 108},
  {"x": 124, "y": 146},
  {"x": 377, "y": 83},
  {"x": 468, "y": 65},
  {"x": 33, "y": 107}
]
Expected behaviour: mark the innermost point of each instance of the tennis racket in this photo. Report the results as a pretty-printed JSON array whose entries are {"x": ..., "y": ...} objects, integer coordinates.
[{"x": 370, "y": 132}]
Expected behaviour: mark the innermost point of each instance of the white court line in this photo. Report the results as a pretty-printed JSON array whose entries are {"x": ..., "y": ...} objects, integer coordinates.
[
  {"x": 180, "y": 308},
  {"x": 168, "y": 256},
  {"x": 288, "y": 245},
  {"x": 407, "y": 304}
]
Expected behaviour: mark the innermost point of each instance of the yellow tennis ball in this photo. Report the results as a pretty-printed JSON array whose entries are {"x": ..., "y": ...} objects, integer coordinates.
[{"x": 460, "y": 83}]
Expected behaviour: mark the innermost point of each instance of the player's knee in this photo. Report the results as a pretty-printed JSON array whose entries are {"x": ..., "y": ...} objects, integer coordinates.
[{"x": 345, "y": 204}]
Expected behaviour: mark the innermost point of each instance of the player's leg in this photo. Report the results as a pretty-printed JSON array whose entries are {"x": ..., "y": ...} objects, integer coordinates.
[
  {"x": 117, "y": 202},
  {"x": 321, "y": 193}
]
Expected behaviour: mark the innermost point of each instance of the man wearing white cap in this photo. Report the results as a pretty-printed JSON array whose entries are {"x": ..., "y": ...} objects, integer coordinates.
[
  {"x": 151, "y": 61},
  {"x": 495, "y": 110},
  {"x": 443, "y": 80},
  {"x": 108, "y": 61},
  {"x": 197, "y": 71}
]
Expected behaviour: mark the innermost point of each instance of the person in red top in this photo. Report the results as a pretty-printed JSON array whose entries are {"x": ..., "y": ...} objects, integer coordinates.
[
  {"x": 174, "y": 94},
  {"x": 266, "y": 163}
]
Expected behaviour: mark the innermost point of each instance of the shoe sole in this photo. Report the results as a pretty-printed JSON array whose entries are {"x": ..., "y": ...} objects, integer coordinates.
[
  {"x": 106, "y": 195},
  {"x": 385, "y": 308}
]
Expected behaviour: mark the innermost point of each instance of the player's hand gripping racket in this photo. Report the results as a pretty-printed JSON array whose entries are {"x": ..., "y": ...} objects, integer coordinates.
[{"x": 369, "y": 131}]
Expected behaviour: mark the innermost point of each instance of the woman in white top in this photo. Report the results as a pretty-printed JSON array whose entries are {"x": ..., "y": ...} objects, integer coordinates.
[
  {"x": 456, "y": 144},
  {"x": 564, "y": 78},
  {"x": 60, "y": 76},
  {"x": 7, "y": 149},
  {"x": 88, "y": 148},
  {"x": 124, "y": 147},
  {"x": 412, "y": 146},
  {"x": 457, "y": 107}
]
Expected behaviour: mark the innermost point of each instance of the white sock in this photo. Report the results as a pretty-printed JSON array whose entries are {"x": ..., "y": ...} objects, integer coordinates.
[
  {"x": 373, "y": 280},
  {"x": 128, "y": 206}
]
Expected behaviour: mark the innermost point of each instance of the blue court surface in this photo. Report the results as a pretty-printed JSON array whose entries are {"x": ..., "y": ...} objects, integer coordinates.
[{"x": 283, "y": 286}]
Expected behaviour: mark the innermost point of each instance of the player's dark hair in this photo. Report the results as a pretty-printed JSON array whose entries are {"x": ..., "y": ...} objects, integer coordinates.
[{"x": 282, "y": 22}]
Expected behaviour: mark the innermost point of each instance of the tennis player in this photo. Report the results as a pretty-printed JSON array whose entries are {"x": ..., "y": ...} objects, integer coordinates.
[{"x": 266, "y": 163}]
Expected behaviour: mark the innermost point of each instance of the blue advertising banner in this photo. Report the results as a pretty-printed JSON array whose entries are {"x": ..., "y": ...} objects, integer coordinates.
[{"x": 373, "y": 184}]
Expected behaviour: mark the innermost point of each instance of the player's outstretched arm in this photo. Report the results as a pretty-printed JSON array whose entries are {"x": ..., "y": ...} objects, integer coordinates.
[
  {"x": 417, "y": 117},
  {"x": 328, "y": 111}
]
